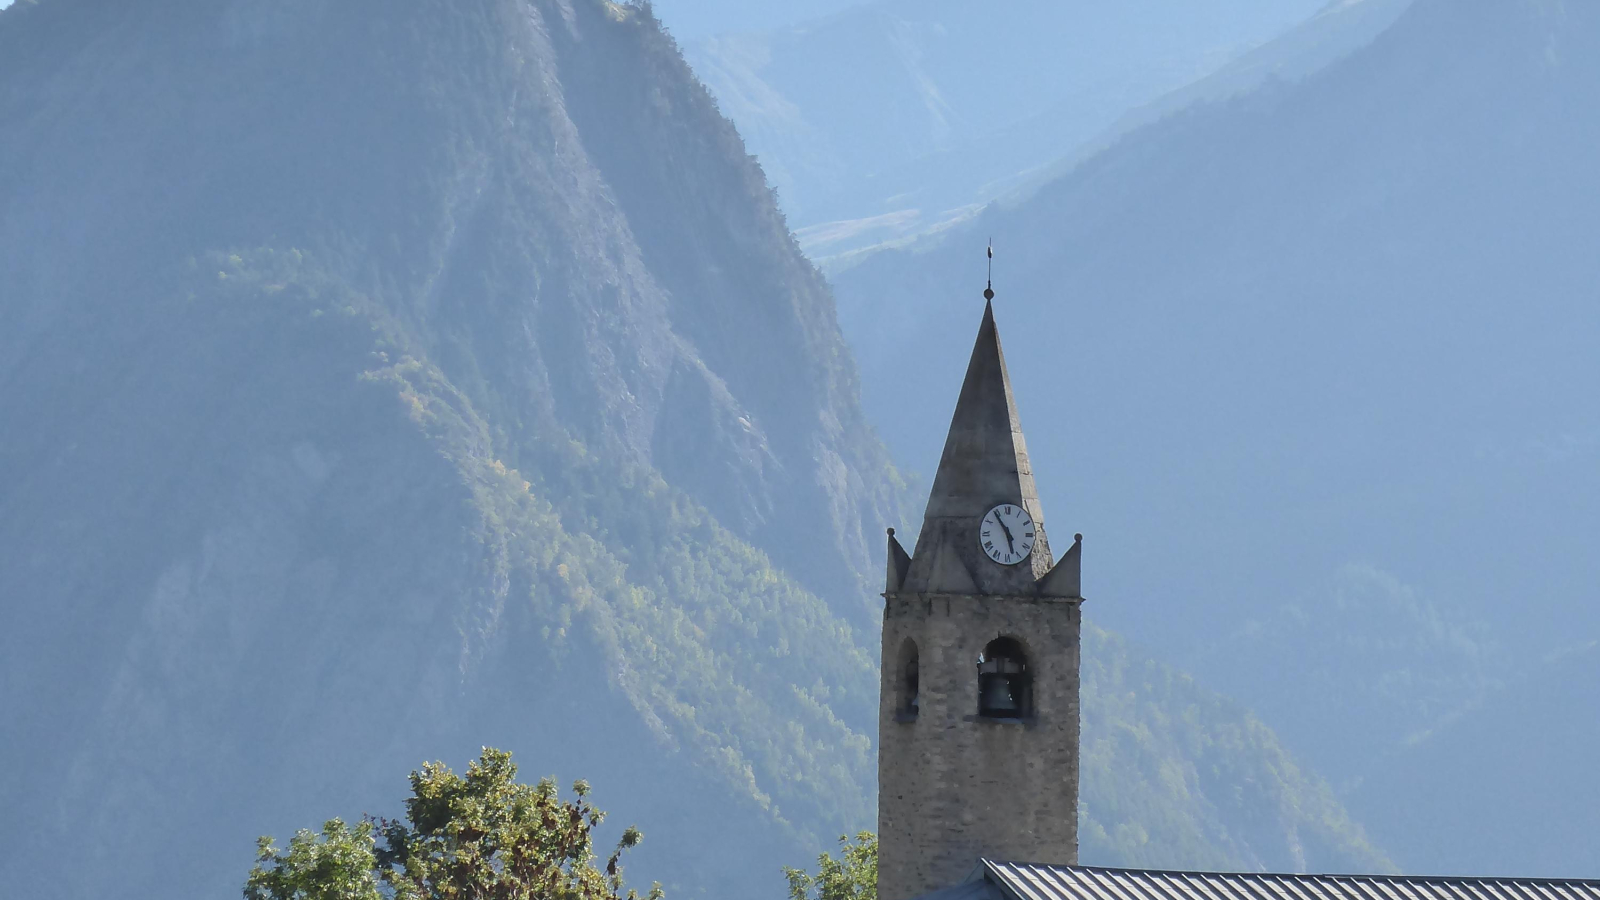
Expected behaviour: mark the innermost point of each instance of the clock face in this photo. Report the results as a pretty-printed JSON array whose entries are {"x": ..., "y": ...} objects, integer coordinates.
[{"x": 1007, "y": 534}]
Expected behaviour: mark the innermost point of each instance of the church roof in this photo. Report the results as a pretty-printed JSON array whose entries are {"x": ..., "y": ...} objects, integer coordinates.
[{"x": 994, "y": 880}]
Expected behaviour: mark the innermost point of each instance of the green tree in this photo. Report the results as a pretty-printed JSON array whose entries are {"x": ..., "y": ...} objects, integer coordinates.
[
  {"x": 338, "y": 864},
  {"x": 482, "y": 835},
  {"x": 852, "y": 876}
]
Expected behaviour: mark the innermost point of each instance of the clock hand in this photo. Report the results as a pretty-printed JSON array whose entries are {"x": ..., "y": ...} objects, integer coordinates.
[{"x": 1009, "y": 542}]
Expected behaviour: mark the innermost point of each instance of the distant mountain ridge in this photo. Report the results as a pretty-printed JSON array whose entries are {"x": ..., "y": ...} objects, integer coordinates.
[
  {"x": 926, "y": 108},
  {"x": 1336, "y": 31}
]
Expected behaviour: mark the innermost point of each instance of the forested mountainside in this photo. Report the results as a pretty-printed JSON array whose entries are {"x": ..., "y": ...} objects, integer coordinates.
[
  {"x": 381, "y": 380},
  {"x": 1434, "y": 799},
  {"x": 1321, "y": 359},
  {"x": 1176, "y": 776},
  {"x": 927, "y": 107}
]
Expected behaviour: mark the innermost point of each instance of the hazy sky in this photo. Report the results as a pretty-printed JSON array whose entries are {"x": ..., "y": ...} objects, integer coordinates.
[{"x": 690, "y": 19}]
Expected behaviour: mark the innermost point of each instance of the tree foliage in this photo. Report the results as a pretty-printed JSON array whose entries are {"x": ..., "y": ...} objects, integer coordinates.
[
  {"x": 338, "y": 864},
  {"x": 853, "y": 875},
  {"x": 482, "y": 835}
]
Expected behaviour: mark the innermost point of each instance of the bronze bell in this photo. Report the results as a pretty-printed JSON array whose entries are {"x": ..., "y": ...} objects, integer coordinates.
[
  {"x": 1003, "y": 680},
  {"x": 996, "y": 696}
]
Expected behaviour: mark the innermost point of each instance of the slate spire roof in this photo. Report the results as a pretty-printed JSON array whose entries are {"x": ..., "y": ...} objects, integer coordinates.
[
  {"x": 985, "y": 455},
  {"x": 985, "y": 464}
]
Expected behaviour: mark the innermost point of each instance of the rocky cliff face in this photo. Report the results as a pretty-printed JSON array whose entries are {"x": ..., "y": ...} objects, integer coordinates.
[
  {"x": 926, "y": 109},
  {"x": 594, "y": 247}
]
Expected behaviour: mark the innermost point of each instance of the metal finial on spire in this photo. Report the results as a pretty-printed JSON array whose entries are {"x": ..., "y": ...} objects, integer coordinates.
[{"x": 988, "y": 290}]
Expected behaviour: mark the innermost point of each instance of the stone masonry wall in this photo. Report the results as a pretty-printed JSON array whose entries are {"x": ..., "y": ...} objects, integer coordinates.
[{"x": 953, "y": 788}]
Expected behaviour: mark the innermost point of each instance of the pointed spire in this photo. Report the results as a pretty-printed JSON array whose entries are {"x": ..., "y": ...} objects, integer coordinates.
[
  {"x": 985, "y": 464},
  {"x": 985, "y": 458}
]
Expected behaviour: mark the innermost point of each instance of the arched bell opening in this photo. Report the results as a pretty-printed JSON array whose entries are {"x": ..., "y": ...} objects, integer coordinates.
[
  {"x": 909, "y": 698},
  {"x": 1005, "y": 686}
]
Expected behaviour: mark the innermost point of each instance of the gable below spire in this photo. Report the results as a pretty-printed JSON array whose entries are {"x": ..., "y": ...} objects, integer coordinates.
[
  {"x": 899, "y": 563},
  {"x": 1066, "y": 579}
]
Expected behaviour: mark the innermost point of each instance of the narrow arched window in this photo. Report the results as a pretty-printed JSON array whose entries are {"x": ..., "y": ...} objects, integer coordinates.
[
  {"x": 909, "y": 697},
  {"x": 1005, "y": 686}
]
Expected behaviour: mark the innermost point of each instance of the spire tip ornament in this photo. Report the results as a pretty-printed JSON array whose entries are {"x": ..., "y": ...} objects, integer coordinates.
[{"x": 988, "y": 290}]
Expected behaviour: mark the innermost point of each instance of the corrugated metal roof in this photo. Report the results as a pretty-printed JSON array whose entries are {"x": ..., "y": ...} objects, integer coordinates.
[{"x": 1025, "y": 881}]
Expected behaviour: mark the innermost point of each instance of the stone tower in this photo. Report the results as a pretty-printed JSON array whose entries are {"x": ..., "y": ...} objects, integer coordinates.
[{"x": 978, "y": 716}]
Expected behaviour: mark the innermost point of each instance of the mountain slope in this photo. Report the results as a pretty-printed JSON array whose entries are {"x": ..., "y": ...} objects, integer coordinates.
[
  {"x": 383, "y": 380},
  {"x": 1346, "y": 321},
  {"x": 312, "y": 164},
  {"x": 1177, "y": 777},
  {"x": 1363, "y": 668},
  {"x": 371, "y": 394},
  {"x": 1441, "y": 776}
]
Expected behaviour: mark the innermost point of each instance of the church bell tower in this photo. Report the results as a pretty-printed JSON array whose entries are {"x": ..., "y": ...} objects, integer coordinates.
[{"x": 978, "y": 711}]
